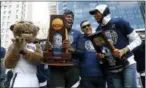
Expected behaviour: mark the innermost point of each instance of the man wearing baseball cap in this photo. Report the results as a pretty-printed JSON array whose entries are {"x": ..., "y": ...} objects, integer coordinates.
[{"x": 125, "y": 39}]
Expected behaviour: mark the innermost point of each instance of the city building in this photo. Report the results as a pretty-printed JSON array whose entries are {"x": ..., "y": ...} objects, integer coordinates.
[
  {"x": 130, "y": 11},
  {"x": 43, "y": 20},
  {"x": 52, "y": 6},
  {"x": 41, "y": 16},
  {"x": 10, "y": 13},
  {"x": 37, "y": 12}
]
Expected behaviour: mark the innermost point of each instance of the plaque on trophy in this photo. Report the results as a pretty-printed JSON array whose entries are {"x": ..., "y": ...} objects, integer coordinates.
[
  {"x": 57, "y": 56},
  {"x": 106, "y": 47}
]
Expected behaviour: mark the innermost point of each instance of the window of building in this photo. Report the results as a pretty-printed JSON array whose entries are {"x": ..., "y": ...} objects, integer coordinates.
[
  {"x": 3, "y": 24},
  {"x": 6, "y": 42},
  {"x": 24, "y": 5},
  {"x": 9, "y": 12},
  {"x": 4, "y": 17},
  {"x": 17, "y": 5},
  {"x": 2, "y": 7},
  {"x": 8, "y": 17},
  {"x": 16, "y": 11},
  {"x": 2, "y": 36},
  {"x": 2, "y": 2},
  {"x": 8, "y": 23},
  {"x": 7, "y": 28},
  {"x": 2, "y": 30},
  {"x": 10, "y": 6},
  {"x": 16, "y": 16},
  {"x": 4, "y": 12},
  {"x": 7, "y": 34},
  {"x": 5, "y": 7}
]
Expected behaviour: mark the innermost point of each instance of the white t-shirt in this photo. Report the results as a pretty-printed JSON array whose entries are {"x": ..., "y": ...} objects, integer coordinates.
[{"x": 23, "y": 66}]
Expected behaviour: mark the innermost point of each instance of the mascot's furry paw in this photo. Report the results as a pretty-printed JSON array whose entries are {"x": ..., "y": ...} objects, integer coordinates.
[{"x": 18, "y": 44}]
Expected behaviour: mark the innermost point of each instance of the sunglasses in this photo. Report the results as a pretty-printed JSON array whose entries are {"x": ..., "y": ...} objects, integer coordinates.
[{"x": 86, "y": 26}]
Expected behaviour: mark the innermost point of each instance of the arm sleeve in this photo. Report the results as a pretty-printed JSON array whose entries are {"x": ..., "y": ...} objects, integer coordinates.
[{"x": 134, "y": 40}]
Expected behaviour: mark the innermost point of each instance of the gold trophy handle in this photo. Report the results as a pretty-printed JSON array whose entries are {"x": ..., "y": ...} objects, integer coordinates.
[
  {"x": 66, "y": 34},
  {"x": 66, "y": 38}
]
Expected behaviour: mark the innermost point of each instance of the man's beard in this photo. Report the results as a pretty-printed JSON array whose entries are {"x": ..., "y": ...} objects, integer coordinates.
[
  {"x": 99, "y": 21},
  {"x": 69, "y": 26}
]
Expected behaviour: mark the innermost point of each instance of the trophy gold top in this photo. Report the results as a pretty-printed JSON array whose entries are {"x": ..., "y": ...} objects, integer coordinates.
[{"x": 57, "y": 24}]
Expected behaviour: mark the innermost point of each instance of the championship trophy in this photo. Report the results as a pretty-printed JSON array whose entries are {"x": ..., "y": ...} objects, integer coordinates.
[
  {"x": 105, "y": 46},
  {"x": 58, "y": 56}
]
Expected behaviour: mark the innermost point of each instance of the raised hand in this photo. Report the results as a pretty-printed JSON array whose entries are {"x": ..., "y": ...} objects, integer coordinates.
[{"x": 18, "y": 44}]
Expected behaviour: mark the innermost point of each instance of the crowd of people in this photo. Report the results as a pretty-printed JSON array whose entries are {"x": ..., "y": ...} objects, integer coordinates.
[{"x": 91, "y": 69}]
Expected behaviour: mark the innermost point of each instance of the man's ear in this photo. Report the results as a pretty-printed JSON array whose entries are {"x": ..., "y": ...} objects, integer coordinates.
[{"x": 12, "y": 27}]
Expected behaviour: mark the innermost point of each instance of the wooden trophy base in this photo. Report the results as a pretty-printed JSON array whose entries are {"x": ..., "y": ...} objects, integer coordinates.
[{"x": 64, "y": 60}]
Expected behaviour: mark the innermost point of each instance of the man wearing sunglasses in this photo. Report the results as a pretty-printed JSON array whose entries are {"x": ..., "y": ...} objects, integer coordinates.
[{"x": 91, "y": 75}]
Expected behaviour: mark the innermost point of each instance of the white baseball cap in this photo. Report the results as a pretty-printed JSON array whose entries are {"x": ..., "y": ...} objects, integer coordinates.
[{"x": 100, "y": 8}]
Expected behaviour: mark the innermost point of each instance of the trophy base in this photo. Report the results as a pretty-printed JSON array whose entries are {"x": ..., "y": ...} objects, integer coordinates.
[{"x": 63, "y": 60}]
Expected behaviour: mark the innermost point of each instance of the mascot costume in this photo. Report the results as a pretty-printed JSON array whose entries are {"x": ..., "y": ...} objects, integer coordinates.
[{"x": 23, "y": 55}]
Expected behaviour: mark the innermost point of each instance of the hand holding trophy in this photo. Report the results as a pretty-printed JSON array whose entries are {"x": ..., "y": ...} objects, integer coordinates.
[
  {"x": 49, "y": 46},
  {"x": 66, "y": 44}
]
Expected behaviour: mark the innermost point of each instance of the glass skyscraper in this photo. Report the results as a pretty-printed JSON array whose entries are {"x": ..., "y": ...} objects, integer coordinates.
[{"x": 129, "y": 11}]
